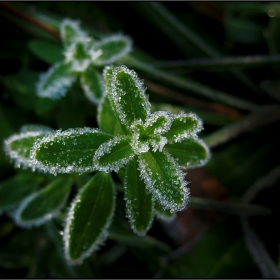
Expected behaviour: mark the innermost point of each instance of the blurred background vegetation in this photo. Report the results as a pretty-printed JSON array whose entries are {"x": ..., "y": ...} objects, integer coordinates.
[{"x": 217, "y": 59}]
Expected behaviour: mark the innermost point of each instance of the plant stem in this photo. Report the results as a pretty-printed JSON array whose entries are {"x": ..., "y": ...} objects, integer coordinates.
[
  {"x": 228, "y": 207},
  {"x": 221, "y": 63},
  {"x": 265, "y": 115},
  {"x": 189, "y": 85}
]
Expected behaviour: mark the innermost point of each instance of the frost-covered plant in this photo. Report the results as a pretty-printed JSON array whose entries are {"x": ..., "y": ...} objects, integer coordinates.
[
  {"x": 83, "y": 55},
  {"x": 148, "y": 150}
]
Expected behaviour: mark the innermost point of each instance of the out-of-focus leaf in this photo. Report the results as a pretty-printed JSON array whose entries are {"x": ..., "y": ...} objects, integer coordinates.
[
  {"x": 44, "y": 204},
  {"x": 16, "y": 188},
  {"x": 47, "y": 51}
]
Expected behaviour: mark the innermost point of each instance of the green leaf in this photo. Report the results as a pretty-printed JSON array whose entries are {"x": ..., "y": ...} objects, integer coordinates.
[
  {"x": 44, "y": 204},
  {"x": 55, "y": 82},
  {"x": 127, "y": 95},
  {"x": 113, "y": 154},
  {"x": 89, "y": 217},
  {"x": 92, "y": 84},
  {"x": 164, "y": 179},
  {"x": 71, "y": 32},
  {"x": 162, "y": 214},
  {"x": 47, "y": 51},
  {"x": 68, "y": 151},
  {"x": 18, "y": 146},
  {"x": 139, "y": 203},
  {"x": 35, "y": 127},
  {"x": 107, "y": 120},
  {"x": 78, "y": 56},
  {"x": 16, "y": 188},
  {"x": 189, "y": 153},
  {"x": 110, "y": 49},
  {"x": 183, "y": 126}
]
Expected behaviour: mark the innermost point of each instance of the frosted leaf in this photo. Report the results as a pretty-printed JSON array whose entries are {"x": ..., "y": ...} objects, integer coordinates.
[
  {"x": 93, "y": 85},
  {"x": 71, "y": 32},
  {"x": 139, "y": 203},
  {"x": 164, "y": 179},
  {"x": 148, "y": 135},
  {"x": 18, "y": 147},
  {"x": 35, "y": 127},
  {"x": 164, "y": 215},
  {"x": 114, "y": 154},
  {"x": 89, "y": 218},
  {"x": 106, "y": 118},
  {"x": 77, "y": 56},
  {"x": 183, "y": 126},
  {"x": 110, "y": 49},
  {"x": 43, "y": 205},
  {"x": 127, "y": 95},
  {"x": 189, "y": 153},
  {"x": 55, "y": 82},
  {"x": 68, "y": 151}
]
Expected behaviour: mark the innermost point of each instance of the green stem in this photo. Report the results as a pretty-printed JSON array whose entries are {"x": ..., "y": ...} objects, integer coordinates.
[
  {"x": 228, "y": 207},
  {"x": 221, "y": 63},
  {"x": 265, "y": 115},
  {"x": 189, "y": 85}
]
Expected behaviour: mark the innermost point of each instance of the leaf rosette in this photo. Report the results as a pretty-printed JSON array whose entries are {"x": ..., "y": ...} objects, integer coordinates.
[{"x": 82, "y": 56}]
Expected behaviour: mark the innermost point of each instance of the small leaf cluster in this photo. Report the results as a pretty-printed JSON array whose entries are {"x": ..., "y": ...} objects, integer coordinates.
[
  {"x": 83, "y": 55},
  {"x": 148, "y": 150}
]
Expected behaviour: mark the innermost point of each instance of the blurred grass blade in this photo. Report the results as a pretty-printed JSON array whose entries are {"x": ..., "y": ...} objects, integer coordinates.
[
  {"x": 189, "y": 85},
  {"x": 220, "y": 64},
  {"x": 139, "y": 203},
  {"x": 261, "y": 183},
  {"x": 89, "y": 217},
  {"x": 265, "y": 115},
  {"x": 188, "y": 35},
  {"x": 44, "y": 204},
  {"x": 228, "y": 207},
  {"x": 16, "y": 188},
  {"x": 259, "y": 253}
]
